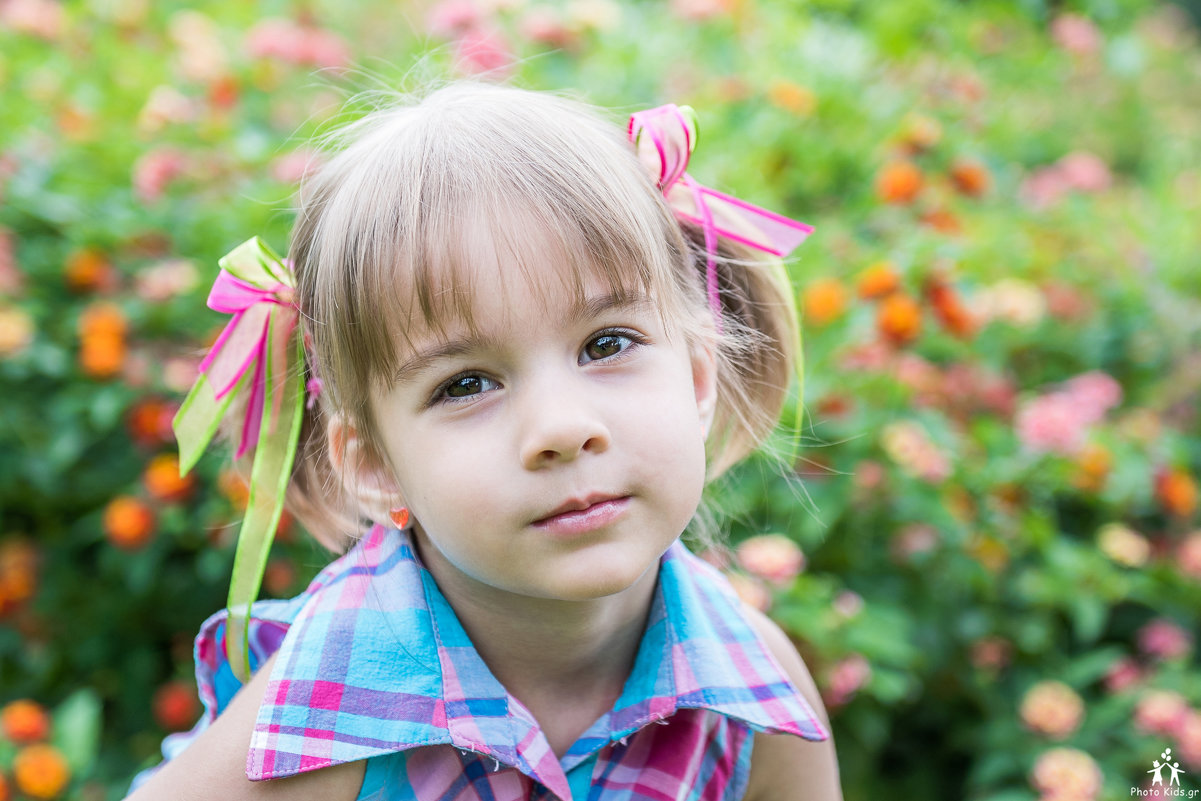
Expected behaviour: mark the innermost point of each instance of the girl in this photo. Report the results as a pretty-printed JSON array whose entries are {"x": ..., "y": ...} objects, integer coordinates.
[{"x": 529, "y": 341}]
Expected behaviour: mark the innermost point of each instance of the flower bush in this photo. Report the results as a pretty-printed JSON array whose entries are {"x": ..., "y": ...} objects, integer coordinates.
[{"x": 987, "y": 546}]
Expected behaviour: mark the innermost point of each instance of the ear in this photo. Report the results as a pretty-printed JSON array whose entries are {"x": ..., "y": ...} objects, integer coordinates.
[
  {"x": 704, "y": 376},
  {"x": 364, "y": 478}
]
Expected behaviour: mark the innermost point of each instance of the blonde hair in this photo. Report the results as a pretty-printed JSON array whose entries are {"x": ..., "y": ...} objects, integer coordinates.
[{"x": 415, "y": 194}]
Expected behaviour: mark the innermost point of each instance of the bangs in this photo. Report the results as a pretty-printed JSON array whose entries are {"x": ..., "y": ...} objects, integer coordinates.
[{"x": 429, "y": 199}]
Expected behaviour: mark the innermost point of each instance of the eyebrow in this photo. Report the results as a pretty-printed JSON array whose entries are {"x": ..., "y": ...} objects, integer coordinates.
[{"x": 588, "y": 309}]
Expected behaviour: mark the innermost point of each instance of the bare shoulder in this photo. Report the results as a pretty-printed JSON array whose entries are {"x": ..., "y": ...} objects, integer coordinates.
[
  {"x": 213, "y": 767},
  {"x": 784, "y": 767}
]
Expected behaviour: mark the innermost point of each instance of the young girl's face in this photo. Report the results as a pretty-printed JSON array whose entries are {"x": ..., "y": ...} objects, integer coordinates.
[{"x": 555, "y": 448}]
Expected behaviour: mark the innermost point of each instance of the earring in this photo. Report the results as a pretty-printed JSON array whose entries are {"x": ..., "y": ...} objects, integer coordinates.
[{"x": 400, "y": 516}]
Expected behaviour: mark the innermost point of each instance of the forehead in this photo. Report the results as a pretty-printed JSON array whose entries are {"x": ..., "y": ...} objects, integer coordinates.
[{"x": 497, "y": 267}]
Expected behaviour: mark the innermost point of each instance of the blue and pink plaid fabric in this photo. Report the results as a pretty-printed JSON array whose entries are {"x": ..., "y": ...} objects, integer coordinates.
[{"x": 374, "y": 665}]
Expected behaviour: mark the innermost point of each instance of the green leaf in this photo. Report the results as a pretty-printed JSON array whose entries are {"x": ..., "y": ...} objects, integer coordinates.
[{"x": 77, "y": 730}]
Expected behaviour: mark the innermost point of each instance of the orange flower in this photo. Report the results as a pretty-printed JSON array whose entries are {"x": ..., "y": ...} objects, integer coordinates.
[
  {"x": 75, "y": 123},
  {"x": 1093, "y": 464},
  {"x": 232, "y": 485},
  {"x": 948, "y": 308},
  {"x": 128, "y": 523},
  {"x": 970, "y": 177},
  {"x": 1177, "y": 491},
  {"x": 40, "y": 771},
  {"x": 800, "y": 100},
  {"x": 89, "y": 270},
  {"x": 878, "y": 280},
  {"x": 824, "y": 300},
  {"x": 899, "y": 182},
  {"x": 18, "y": 572},
  {"x": 24, "y": 721},
  {"x": 102, "y": 334},
  {"x": 942, "y": 220},
  {"x": 279, "y": 577},
  {"x": 223, "y": 92},
  {"x": 149, "y": 422},
  {"x": 5, "y": 792},
  {"x": 163, "y": 481},
  {"x": 899, "y": 318},
  {"x": 176, "y": 706},
  {"x": 102, "y": 320}
]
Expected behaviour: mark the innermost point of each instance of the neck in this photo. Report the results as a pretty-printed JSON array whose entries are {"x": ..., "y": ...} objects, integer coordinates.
[{"x": 566, "y": 661}]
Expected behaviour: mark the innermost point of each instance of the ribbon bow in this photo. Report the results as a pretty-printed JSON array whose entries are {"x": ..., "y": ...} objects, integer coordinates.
[
  {"x": 664, "y": 139},
  {"x": 256, "y": 356}
]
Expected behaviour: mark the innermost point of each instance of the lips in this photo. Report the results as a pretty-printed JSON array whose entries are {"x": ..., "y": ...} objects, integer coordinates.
[{"x": 582, "y": 515}]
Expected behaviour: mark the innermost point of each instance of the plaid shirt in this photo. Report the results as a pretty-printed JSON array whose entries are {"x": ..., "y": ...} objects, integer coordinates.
[{"x": 373, "y": 664}]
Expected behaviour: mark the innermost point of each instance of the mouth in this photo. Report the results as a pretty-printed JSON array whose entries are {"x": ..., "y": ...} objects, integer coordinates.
[{"x": 582, "y": 515}]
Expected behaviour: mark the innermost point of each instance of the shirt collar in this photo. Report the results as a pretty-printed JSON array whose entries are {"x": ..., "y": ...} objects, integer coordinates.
[{"x": 376, "y": 662}]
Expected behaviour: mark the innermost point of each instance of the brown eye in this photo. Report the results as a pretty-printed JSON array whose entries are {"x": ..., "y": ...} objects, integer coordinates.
[
  {"x": 466, "y": 386},
  {"x": 605, "y": 346}
]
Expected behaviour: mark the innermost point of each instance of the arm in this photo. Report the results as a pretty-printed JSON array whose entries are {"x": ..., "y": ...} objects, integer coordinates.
[
  {"x": 784, "y": 767},
  {"x": 213, "y": 768}
]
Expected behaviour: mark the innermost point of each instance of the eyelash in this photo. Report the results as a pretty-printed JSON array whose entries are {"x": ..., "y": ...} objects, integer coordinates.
[{"x": 634, "y": 340}]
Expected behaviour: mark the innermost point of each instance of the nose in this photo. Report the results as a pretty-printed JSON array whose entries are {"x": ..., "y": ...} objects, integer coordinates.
[{"x": 560, "y": 424}]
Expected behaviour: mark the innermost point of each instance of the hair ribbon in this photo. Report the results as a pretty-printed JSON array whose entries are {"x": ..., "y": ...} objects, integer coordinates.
[
  {"x": 663, "y": 140},
  {"x": 256, "y": 357}
]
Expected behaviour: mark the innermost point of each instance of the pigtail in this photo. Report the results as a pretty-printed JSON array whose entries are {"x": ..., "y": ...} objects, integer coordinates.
[{"x": 757, "y": 348}]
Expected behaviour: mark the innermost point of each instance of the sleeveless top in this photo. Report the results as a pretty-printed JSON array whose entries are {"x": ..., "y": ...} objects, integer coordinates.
[{"x": 374, "y": 664}]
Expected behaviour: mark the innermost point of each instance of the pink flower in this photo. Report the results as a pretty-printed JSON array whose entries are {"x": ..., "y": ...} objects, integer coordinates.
[
  {"x": 199, "y": 51},
  {"x": 325, "y": 49},
  {"x": 913, "y": 540},
  {"x": 484, "y": 52},
  {"x": 1188, "y": 739},
  {"x": 1043, "y": 188},
  {"x": 291, "y": 167},
  {"x": 698, "y": 10},
  {"x": 869, "y": 474},
  {"x": 1066, "y": 774},
  {"x": 1053, "y": 709},
  {"x": 1095, "y": 392},
  {"x": 910, "y": 446},
  {"x": 1163, "y": 639},
  {"x": 544, "y": 25},
  {"x": 772, "y": 557},
  {"x": 848, "y": 604},
  {"x": 165, "y": 280},
  {"x": 1188, "y": 556},
  {"x": 1085, "y": 172},
  {"x": 41, "y": 18},
  {"x": 1051, "y": 423},
  {"x": 451, "y": 18},
  {"x": 1076, "y": 34},
  {"x": 846, "y": 678},
  {"x": 293, "y": 43},
  {"x": 275, "y": 38},
  {"x": 991, "y": 653},
  {"x": 1160, "y": 712},
  {"x": 155, "y": 170},
  {"x": 1122, "y": 674}
]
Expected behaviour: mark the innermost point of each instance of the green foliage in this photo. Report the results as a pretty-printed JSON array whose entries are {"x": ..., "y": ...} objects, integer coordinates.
[{"x": 969, "y": 536}]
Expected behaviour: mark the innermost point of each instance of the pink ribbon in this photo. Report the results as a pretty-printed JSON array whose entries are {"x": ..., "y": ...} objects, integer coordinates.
[
  {"x": 263, "y": 318},
  {"x": 671, "y": 136}
]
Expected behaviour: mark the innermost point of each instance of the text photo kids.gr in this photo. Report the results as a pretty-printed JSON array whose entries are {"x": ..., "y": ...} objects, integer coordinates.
[{"x": 510, "y": 344}]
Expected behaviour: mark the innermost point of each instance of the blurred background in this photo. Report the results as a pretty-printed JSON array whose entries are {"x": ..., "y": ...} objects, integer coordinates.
[{"x": 992, "y": 559}]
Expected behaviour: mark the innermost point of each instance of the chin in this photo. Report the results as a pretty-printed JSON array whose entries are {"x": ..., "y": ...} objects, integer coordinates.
[{"x": 593, "y": 582}]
